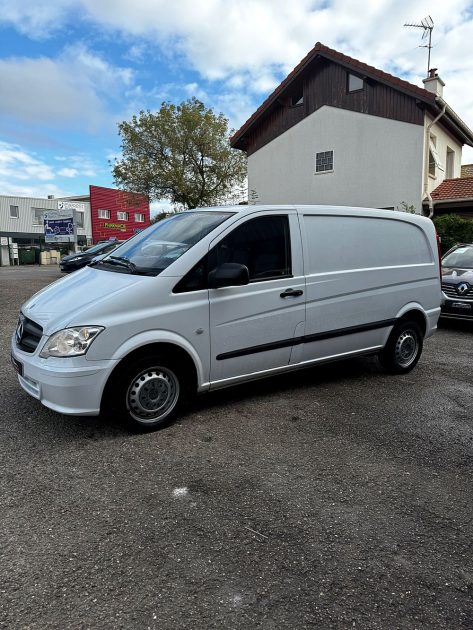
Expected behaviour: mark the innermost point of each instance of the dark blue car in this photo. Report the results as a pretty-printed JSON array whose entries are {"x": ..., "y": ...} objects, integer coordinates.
[{"x": 457, "y": 282}]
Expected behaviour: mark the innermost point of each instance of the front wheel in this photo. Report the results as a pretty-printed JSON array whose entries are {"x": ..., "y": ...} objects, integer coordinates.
[
  {"x": 403, "y": 349},
  {"x": 150, "y": 392}
]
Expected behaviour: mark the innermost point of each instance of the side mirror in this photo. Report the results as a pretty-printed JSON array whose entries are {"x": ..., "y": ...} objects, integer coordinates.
[{"x": 228, "y": 275}]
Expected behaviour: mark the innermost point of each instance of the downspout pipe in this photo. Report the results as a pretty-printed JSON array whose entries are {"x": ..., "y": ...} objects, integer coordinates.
[{"x": 426, "y": 157}]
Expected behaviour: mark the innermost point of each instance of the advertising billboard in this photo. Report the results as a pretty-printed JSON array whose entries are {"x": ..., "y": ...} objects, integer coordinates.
[{"x": 59, "y": 226}]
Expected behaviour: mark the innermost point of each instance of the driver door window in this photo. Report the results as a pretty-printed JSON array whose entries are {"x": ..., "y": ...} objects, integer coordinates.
[{"x": 260, "y": 244}]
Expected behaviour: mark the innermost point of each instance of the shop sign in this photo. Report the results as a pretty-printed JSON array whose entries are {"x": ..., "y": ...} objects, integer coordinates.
[
  {"x": 71, "y": 205},
  {"x": 115, "y": 226}
]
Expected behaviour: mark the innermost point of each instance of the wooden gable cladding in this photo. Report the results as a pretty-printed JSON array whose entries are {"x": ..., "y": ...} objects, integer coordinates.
[{"x": 325, "y": 83}]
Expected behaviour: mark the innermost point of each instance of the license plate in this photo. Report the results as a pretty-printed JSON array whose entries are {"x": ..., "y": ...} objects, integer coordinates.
[
  {"x": 461, "y": 305},
  {"x": 17, "y": 365}
]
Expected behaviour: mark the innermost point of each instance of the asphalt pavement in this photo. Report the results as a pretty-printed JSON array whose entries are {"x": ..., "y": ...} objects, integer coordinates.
[{"x": 335, "y": 497}]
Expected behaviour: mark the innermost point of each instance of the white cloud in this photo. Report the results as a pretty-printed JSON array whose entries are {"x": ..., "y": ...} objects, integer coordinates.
[
  {"x": 18, "y": 164},
  {"x": 68, "y": 172},
  {"x": 23, "y": 173},
  {"x": 69, "y": 90},
  {"x": 81, "y": 164},
  {"x": 249, "y": 44},
  {"x": 33, "y": 19}
]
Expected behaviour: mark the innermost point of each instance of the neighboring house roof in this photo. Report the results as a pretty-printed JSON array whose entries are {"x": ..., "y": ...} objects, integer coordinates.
[
  {"x": 320, "y": 50},
  {"x": 459, "y": 188}
]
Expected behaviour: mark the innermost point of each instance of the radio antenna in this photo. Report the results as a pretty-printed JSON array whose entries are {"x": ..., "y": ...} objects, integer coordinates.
[{"x": 427, "y": 25}]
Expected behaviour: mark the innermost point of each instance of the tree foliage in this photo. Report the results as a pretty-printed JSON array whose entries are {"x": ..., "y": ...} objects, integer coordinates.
[
  {"x": 453, "y": 229},
  {"x": 181, "y": 153}
]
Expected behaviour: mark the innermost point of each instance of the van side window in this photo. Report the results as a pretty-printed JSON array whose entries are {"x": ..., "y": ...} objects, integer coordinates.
[{"x": 262, "y": 244}]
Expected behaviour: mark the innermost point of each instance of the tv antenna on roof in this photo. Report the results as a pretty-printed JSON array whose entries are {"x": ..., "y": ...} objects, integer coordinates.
[{"x": 427, "y": 24}]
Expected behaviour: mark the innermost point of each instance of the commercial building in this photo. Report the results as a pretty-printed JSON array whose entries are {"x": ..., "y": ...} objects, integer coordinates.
[
  {"x": 117, "y": 213},
  {"x": 22, "y": 237},
  {"x": 102, "y": 214}
]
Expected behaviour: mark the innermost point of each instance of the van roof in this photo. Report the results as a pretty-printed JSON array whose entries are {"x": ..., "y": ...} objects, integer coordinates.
[{"x": 316, "y": 209}]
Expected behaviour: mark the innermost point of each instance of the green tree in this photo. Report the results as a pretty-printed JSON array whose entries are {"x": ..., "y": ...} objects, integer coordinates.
[
  {"x": 181, "y": 153},
  {"x": 405, "y": 207},
  {"x": 160, "y": 216},
  {"x": 453, "y": 229}
]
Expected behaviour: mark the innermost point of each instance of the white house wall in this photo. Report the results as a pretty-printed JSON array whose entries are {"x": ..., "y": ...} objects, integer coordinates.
[
  {"x": 443, "y": 140},
  {"x": 377, "y": 162}
]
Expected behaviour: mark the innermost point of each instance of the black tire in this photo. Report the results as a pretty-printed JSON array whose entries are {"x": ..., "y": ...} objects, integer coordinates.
[
  {"x": 149, "y": 392},
  {"x": 403, "y": 349}
]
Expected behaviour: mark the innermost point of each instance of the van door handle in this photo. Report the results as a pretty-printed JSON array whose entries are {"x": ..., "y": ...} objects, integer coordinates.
[{"x": 291, "y": 293}]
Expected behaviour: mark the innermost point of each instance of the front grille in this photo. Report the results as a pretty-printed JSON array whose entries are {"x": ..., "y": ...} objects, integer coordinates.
[
  {"x": 451, "y": 292},
  {"x": 28, "y": 334}
]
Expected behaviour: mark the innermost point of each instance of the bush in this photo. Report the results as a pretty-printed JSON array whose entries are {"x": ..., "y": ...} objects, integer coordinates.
[{"x": 453, "y": 229}]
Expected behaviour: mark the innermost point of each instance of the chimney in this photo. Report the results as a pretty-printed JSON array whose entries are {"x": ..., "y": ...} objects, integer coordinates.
[{"x": 433, "y": 83}]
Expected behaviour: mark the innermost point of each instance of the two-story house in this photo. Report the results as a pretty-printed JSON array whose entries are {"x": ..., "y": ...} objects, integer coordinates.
[{"x": 338, "y": 131}]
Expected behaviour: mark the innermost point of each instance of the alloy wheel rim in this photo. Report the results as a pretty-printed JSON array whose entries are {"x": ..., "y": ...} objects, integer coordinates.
[
  {"x": 152, "y": 394},
  {"x": 406, "y": 349}
]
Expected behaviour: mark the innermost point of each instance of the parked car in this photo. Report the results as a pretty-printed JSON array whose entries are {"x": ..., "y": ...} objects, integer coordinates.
[
  {"x": 213, "y": 297},
  {"x": 81, "y": 259},
  {"x": 457, "y": 282}
]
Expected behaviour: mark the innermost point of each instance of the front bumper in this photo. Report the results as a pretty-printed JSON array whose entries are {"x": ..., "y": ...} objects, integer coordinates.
[
  {"x": 73, "y": 386},
  {"x": 457, "y": 308}
]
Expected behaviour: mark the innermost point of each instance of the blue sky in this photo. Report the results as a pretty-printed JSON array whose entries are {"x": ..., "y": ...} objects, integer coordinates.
[{"x": 70, "y": 70}]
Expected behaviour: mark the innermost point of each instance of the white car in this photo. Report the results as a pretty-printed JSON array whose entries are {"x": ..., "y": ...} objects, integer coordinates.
[{"x": 217, "y": 296}]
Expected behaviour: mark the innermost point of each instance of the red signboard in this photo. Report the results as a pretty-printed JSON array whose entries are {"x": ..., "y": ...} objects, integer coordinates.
[{"x": 117, "y": 213}]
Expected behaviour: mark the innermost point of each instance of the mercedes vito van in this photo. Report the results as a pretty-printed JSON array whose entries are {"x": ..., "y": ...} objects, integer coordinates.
[{"x": 212, "y": 297}]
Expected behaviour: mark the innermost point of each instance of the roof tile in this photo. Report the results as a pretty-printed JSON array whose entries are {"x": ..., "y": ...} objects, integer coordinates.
[{"x": 457, "y": 188}]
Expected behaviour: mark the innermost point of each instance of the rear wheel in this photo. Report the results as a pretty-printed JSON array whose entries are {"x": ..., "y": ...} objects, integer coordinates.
[
  {"x": 403, "y": 349},
  {"x": 150, "y": 392}
]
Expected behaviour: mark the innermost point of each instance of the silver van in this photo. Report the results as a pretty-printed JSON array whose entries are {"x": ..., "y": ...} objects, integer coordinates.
[{"x": 217, "y": 296}]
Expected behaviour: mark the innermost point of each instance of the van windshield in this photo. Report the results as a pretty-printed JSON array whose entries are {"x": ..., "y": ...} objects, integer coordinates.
[
  {"x": 461, "y": 257},
  {"x": 150, "y": 252}
]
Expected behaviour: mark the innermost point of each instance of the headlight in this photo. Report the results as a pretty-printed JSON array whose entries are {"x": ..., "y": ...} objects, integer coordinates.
[
  {"x": 74, "y": 259},
  {"x": 70, "y": 342}
]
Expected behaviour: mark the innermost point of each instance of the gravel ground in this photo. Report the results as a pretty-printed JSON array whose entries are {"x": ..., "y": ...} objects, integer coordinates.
[{"x": 336, "y": 497}]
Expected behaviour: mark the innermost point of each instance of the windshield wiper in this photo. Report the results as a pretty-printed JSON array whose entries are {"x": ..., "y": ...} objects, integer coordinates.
[{"x": 121, "y": 261}]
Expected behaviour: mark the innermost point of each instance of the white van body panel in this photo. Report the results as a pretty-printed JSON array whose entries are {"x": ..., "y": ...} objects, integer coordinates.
[
  {"x": 361, "y": 269},
  {"x": 353, "y": 275}
]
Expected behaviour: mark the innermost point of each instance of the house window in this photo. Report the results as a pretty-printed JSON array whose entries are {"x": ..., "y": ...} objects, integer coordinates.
[
  {"x": 79, "y": 218},
  {"x": 122, "y": 216},
  {"x": 297, "y": 98},
  {"x": 450, "y": 162},
  {"x": 324, "y": 162},
  {"x": 355, "y": 83},
  {"x": 38, "y": 215},
  {"x": 434, "y": 160},
  {"x": 14, "y": 212},
  {"x": 139, "y": 217},
  {"x": 104, "y": 214}
]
